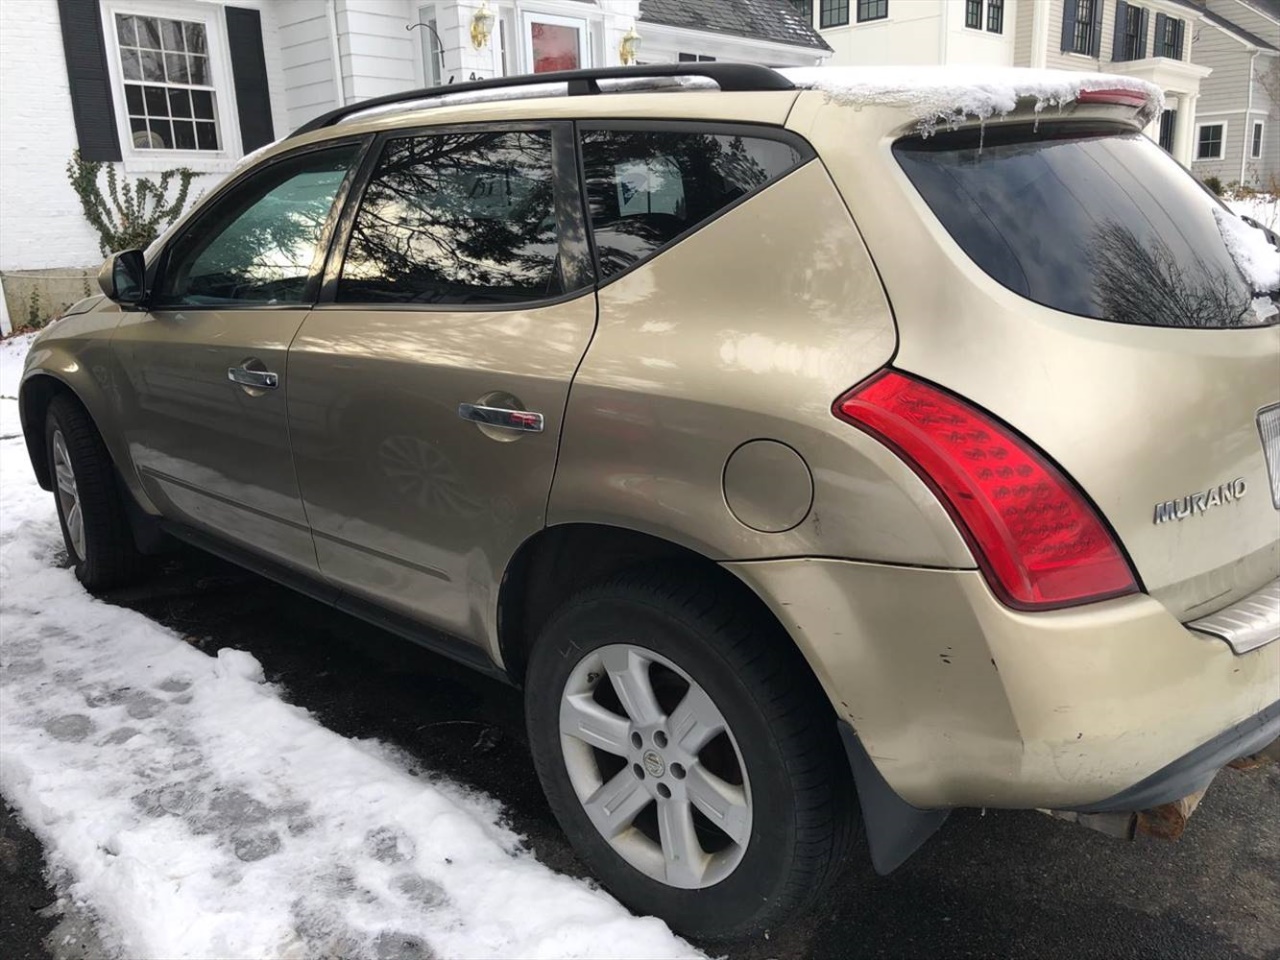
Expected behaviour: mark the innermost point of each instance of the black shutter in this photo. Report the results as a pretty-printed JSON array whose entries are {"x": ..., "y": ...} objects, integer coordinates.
[
  {"x": 1158, "y": 51},
  {"x": 1117, "y": 35},
  {"x": 1178, "y": 27},
  {"x": 1068, "y": 25},
  {"x": 90, "y": 83},
  {"x": 1142, "y": 34},
  {"x": 249, "y": 70},
  {"x": 1096, "y": 45}
]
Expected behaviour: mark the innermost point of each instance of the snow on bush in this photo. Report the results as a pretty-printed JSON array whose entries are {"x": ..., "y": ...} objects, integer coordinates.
[
  {"x": 1253, "y": 253},
  {"x": 197, "y": 814},
  {"x": 940, "y": 95}
]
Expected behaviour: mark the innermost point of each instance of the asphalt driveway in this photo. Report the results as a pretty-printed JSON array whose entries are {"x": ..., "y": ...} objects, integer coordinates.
[{"x": 1006, "y": 885}]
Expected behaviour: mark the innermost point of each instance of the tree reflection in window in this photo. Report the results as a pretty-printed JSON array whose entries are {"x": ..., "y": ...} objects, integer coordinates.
[
  {"x": 1149, "y": 285},
  {"x": 646, "y": 188},
  {"x": 456, "y": 218},
  {"x": 258, "y": 243}
]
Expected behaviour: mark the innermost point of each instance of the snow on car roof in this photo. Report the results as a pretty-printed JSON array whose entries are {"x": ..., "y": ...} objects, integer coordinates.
[{"x": 950, "y": 94}]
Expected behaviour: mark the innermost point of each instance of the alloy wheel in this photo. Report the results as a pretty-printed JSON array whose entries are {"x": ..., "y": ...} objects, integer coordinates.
[
  {"x": 655, "y": 766},
  {"x": 68, "y": 495}
]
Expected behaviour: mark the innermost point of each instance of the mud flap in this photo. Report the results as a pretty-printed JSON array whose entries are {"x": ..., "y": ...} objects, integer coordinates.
[{"x": 895, "y": 829}]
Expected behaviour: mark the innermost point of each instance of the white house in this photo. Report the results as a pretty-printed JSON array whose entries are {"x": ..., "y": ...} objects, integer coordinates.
[
  {"x": 1238, "y": 121},
  {"x": 1209, "y": 57},
  {"x": 151, "y": 85}
]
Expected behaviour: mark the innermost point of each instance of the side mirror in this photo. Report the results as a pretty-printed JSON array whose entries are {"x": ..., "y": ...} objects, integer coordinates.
[{"x": 123, "y": 277}]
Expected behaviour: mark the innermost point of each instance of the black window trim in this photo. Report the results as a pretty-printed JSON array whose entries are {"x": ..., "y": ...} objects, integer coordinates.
[
  {"x": 324, "y": 248},
  {"x": 328, "y": 296},
  {"x": 759, "y": 131},
  {"x": 870, "y": 7}
]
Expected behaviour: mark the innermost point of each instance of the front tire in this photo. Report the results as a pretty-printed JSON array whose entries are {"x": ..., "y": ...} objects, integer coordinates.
[
  {"x": 688, "y": 753},
  {"x": 95, "y": 527}
]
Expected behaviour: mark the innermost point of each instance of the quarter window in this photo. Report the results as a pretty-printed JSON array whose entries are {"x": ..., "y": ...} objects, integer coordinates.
[
  {"x": 647, "y": 188},
  {"x": 168, "y": 88},
  {"x": 833, "y": 13},
  {"x": 1209, "y": 141},
  {"x": 261, "y": 243},
  {"x": 457, "y": 218}
]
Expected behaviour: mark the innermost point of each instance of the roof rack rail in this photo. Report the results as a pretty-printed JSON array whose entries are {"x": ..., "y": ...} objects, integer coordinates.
[{"x": 730, "y": 77}]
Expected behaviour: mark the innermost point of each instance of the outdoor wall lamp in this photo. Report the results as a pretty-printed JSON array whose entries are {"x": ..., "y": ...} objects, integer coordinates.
[
  {"x": 481, "y": 25},
  {"x": 629, "y": 48}
]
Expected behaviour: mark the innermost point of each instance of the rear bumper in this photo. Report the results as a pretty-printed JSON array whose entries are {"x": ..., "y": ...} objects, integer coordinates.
[
  {"x": 960, "y": 701},
  {"x": 1193, "y": 772}
]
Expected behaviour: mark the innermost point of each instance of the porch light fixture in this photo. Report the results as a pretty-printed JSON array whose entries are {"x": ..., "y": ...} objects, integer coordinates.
[
  {"x": 629, "y": 48},
  {"x": 481, "y": 26}
]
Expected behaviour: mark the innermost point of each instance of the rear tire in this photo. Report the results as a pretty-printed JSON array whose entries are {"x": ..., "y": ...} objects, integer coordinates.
[
  {"x": 682, "y": 637},
  {"x": 91, "y": 511}
]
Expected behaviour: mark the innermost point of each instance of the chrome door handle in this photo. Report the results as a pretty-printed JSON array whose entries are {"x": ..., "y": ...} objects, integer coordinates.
[
  {"x": 263, "y": 379},
  {"x": 523, "y": 420}
]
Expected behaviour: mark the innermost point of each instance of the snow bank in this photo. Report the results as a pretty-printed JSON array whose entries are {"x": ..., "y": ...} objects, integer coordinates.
[
  {"x": 1253, "y": 253},
  {"x": 199, "y": 815},
  {"x": 940, "y": 95},
  {"x": 1263, "y": 207}
]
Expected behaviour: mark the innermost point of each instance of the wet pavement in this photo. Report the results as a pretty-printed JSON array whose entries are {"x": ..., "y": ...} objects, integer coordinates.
[{"x": 1007, "y": 885}]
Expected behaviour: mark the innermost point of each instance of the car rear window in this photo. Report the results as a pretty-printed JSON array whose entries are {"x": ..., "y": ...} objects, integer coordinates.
[{"x": 1094, "y": 220}]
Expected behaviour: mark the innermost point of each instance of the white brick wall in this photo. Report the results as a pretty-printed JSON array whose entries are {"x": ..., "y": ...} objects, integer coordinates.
[{"x": 41, "y": 224}]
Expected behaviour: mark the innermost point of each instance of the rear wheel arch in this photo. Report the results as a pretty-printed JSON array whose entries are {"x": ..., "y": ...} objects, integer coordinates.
[{"x": 559, "y": 561}]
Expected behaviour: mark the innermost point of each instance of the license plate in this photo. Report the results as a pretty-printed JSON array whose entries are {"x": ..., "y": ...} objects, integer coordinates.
[{"x": 1269, "y": 427}]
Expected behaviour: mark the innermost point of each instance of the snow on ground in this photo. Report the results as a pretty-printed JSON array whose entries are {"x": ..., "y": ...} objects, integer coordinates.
[
  {"x": 199, "y": 815},
  {"x": 1262, "y": 207}
]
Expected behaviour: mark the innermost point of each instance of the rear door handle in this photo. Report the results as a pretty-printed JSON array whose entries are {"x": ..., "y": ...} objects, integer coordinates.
[
  {"x": 525, "y": 421},
  {"x": 263, "y": 379}
]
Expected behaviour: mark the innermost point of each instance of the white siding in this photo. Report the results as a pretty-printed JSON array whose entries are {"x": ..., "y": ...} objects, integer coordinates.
[
  {"x": 306, "y": 55},
  {"x": 43, "y": 226}
]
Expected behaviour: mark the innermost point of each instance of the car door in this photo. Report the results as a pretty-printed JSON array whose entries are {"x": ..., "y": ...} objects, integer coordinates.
[
  {"x": 428, "y": 386},
  {"x": 203, "y": 382}
]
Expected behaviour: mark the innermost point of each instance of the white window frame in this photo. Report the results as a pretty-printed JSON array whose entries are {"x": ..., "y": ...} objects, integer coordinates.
[
  {"x": 226, "y": 114},
  {"x": 1222, "y": 145},
  {"x": 429, "y": 13},
  {"x": 581, "y": 24},
  {"x": 1258, "y": 131}
]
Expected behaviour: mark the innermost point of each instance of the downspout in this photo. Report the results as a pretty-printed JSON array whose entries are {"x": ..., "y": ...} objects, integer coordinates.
[
  {"x": 1248, "y": 125},
  {"x": 335, "y": 54}
]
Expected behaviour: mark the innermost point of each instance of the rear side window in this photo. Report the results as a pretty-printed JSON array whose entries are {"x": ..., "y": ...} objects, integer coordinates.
[
  {"x": 1089, "y": 219},
  {"x": 456, "y": 218},
  {"x": 645, "y": 188}
]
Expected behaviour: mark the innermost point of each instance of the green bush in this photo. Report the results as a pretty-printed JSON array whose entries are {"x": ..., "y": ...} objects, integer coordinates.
[
  {"x": 128, "y": 216},
  {"x": 1214, "y": 184}
]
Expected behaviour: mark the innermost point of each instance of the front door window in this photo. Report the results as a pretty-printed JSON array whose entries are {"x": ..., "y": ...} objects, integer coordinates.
[{"x": 555, "y": 43}]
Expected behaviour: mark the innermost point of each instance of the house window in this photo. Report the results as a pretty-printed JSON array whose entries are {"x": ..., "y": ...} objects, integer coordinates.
[
  {"x": 995, "y": 16},
  {"x": 872, "y": 10},
  {"x": 432, "y": 51},
  {"x": 1168, "y": 123},
  {"x": 973, "y": 14},
  {"x": 833, "y": 13},
  {"x": 804, "y": 8},
  {"x": 1169, "y": 39},
  {"x": 1255, "y": 142},
  {"x": 168, "y": 87},
  {"x": 1135, "y": 34},
  {"x": 1209, "y": 141},
  {"x": 1082, "y": 36}
]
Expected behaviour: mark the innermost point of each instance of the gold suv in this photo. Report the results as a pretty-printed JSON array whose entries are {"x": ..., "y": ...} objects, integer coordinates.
[{"x": 820, "y": 452}]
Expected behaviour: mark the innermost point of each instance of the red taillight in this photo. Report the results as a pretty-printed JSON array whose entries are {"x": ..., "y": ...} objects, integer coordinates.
[
  {"x": 1039, "y": 542},
  {"x": 1123, "y": 98}
]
